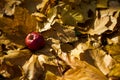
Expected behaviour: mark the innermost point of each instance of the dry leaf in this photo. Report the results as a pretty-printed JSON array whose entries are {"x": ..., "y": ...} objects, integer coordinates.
[
  {"x": 42, "y": 5},
  {"x": 16, "y": 29},
  {"x": 11, "y": 62},
  {"x": 79, "y": 48},
  {"x": 80, "y": 45},
  {"x": 9, "y": 71},
  {"x": 106, "y": 22},
  {"x": 102, "y": 4},
  {"x": 50, "y": 76},
  {"x": 50, "y": 19},
  {"x": 30, "y": 5},
  {"x": 80, "y": 69},
  {"x": 66, "y": 34},
  {"x": 84, "y": 73},
  {"x": 115, "y": 71},
  {"x": 16, "y": 57},
  {"x": 79, "y": 14},
  {"x": 10, "y": 6},
  {"x": 103, "y": 61},
  {"x": 32, "y": 70}
]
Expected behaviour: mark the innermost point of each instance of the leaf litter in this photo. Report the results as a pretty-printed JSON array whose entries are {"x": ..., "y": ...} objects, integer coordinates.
[{"x": 82, "y": 39}]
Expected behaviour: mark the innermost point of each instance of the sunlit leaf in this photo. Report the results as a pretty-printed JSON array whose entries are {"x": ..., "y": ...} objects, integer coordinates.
[
  {"x": 115, "y": 71},
  {"x": 50, "y": 19},
  {"x": 105, "y": 22},
  {"x": 83, "y": 71},
  {"x": 80, "y": 48},
  {"x": 103, "y": 61},
  {"x": 102, "y": 4},
  {"x": 42, "y": 5},
  {"x": 113, "y": 49},
  {"x": 32, "y": 67},
  {"x": 10, "y": 6},
  {"x": 79, "y": 14},
  {"x": 66, "y": 34},
  {"x": 16, "y": 57},
  {"x": 50, "y": 76},
  {"x": 11, "y": 62},
  {"x": 16, "y": 29},
  {"x": 82, "y": 39}
]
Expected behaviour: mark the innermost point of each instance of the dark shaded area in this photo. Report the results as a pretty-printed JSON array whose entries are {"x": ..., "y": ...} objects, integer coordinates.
[
  {"x": 30, "y": 5},
  {"x": 2, "y": 78},
  {"x": 86, "y": 56}
]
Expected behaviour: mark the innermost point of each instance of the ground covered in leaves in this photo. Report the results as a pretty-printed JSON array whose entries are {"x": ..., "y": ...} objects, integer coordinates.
[{"x": 82, "y": 39}]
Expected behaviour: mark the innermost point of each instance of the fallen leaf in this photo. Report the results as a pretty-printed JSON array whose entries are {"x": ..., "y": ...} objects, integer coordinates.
[
  {"x": 115, "y": 71},
  {"x": 30, "y": 5},
  {"x": 66, "y": 33},
  {"x": 32, "y": 70},
  {"x": 82, "y": 70},
  {"x": 11, "y": 63},
  {"x": 52, "y": 13},
  {"x": 50, "y": 76},
  {"x": 42, "y": 5},
  {"x": 78, "y": 14},
  {"x": 102, "y": 4},
  {"x": 9, "y": 71},
  {"x": 105, "y": 22},
  {"x": 16, "y": 29},
  {"x": 113, "y": 49},
  {"x": 103, "y": 61},
  {"x": 10, "y": 6},
  {"x": 79, "y": 48},
  {"x": 16, "y": 57}
]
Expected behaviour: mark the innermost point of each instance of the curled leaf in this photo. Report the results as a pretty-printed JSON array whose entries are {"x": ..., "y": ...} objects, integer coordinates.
[
  {"x": 106, "y": 22},
  {"x": 10, "y": 6},
  {"x": 103, "y": 61},
  {"x": 102, "y": 4},
  {"x": 32, "y": 70},
  {"x": 115, "y": 71},
  {"x": 82, "y": 71},
  {"x": 16, "y": 57}
]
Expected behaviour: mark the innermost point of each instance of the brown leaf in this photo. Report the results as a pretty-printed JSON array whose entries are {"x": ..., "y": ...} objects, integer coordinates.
[
  {"x": 9, "y": 71},
  {"x": 32, "y": 70},
  {"x": 17, "y": 28},
  {"x": 50, "y": 76},
  {"x": 30, "y": 5},
  {"x": 102, "y": 4},
  {"x": 42, "y": 5},
  {"x": 79, "y": 48},
  {"x": 52, "y": 13},
  {"x": 103, "y": 61},
  {"x": 86, "y": 72},
  {"x": 107, "y": 21},
  {"x": 16, "y": 57},
  {"x": 65, "y": 33},
  {"x": 10, "y": 6},
  {"x": 81, "y": 70},
  {"x": 115, "y": 71},
  {"x": 2, "y": 4}
]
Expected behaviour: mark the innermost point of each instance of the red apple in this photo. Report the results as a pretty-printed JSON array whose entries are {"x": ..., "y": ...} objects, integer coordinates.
[{"x": 34, "y": 41}]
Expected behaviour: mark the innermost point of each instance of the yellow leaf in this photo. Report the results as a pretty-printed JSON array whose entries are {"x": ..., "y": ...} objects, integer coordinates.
[{"x": 102, "y": 3}]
